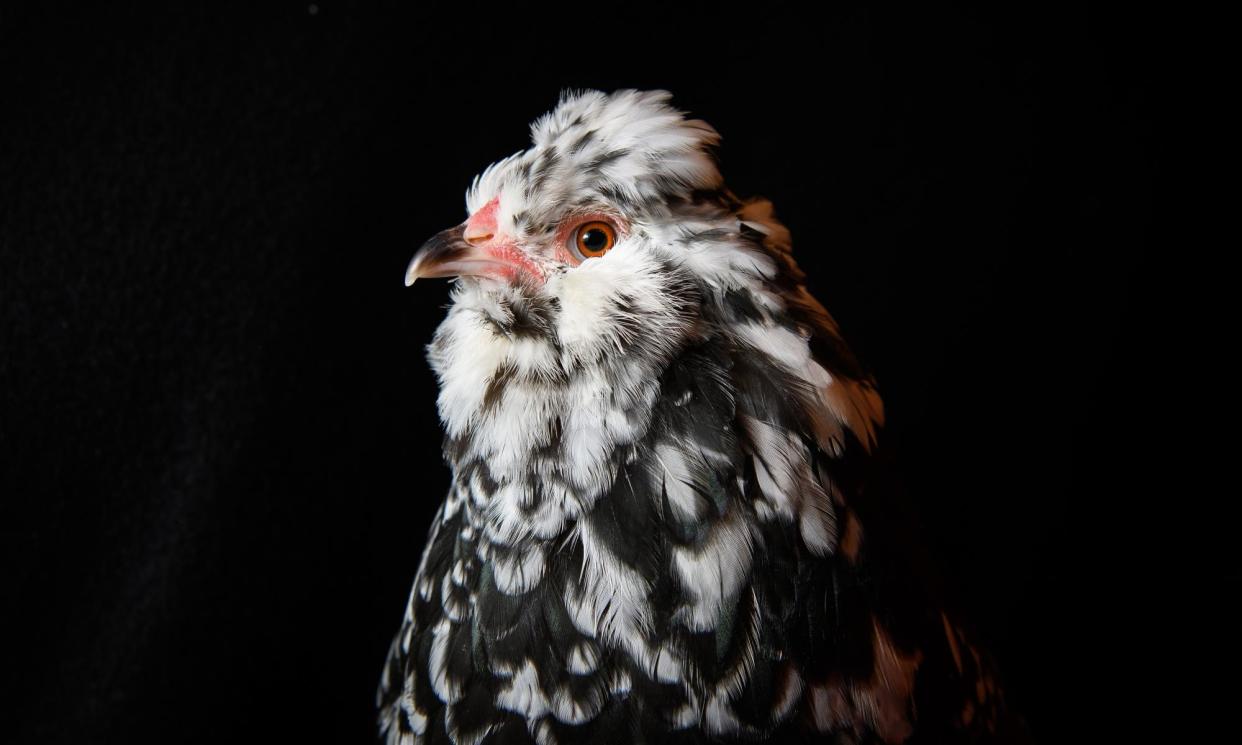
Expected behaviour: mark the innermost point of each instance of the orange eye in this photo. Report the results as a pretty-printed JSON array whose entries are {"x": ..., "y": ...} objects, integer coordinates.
[{"x": 594, "y": 239}]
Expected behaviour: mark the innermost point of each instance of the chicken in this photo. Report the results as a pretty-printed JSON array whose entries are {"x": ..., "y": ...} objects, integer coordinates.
[{"x": 657, "y": 438}]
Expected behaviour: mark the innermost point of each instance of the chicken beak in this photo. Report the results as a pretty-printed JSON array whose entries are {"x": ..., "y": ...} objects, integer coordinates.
[
  {"x": 452, "y": 253},
  {"x": 439, "y": 255}
]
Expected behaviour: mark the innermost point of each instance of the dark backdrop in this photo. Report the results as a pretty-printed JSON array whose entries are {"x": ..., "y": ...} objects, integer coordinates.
[{"x": 218, "y": 443}]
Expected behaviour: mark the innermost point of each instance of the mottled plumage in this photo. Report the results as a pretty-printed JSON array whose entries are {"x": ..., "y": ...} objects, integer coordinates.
[{"x": 658, "y": 455}]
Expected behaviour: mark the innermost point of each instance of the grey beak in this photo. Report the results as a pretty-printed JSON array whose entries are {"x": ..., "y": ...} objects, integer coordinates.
[{"x": 440, "y": 255}]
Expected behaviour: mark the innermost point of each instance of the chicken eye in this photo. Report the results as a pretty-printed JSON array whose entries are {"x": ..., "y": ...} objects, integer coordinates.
[{"x": 594, "y": 239}]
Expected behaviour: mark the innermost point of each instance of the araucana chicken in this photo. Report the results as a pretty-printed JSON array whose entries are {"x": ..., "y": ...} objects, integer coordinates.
[{"x": 658, "y": 442}]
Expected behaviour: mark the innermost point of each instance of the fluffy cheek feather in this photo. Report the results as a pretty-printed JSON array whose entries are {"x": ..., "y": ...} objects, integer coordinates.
[
  {"x": 618, "y": 324},
  {"x": 586, "y": 295},
  {"x": 613, "y": 304},
  {"x": 465, "y": 356}
]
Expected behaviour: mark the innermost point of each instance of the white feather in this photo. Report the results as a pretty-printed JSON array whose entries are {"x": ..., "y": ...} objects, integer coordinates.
[
  {"x": 521, "y": 692},
  {"x": 713, "y": 575}
]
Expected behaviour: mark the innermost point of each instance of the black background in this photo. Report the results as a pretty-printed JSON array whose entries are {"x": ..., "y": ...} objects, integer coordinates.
[{"x": 219, "y": 450}]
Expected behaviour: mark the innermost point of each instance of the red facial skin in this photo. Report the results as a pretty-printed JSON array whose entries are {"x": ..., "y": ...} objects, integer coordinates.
[
  {"x": 483, "y": 221},
  {"x": 482, "y": 231}
]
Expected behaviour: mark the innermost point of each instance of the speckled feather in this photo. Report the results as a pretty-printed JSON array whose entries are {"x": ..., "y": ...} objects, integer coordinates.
[{"x": 651, "y": 533}]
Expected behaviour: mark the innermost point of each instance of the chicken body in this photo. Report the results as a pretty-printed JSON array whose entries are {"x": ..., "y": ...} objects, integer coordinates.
[{"x": 659, "y": 443}]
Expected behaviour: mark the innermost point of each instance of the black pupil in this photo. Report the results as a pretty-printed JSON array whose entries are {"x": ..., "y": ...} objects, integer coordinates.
[{"x": 595, "y": 240}]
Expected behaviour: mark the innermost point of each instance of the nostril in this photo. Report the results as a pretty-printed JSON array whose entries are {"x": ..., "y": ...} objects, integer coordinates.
[{"x": 476, "y": 236}]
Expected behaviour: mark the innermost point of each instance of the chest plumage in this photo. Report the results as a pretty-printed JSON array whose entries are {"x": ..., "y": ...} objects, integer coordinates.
[{"x": 658, "y": 442}]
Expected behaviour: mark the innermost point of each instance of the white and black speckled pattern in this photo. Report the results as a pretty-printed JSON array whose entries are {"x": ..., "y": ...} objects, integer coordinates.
[{"x": 649, "y": 535}]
